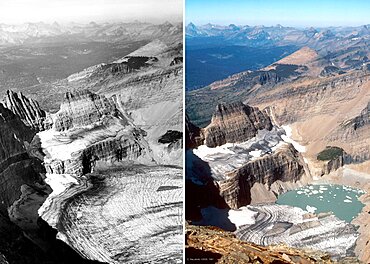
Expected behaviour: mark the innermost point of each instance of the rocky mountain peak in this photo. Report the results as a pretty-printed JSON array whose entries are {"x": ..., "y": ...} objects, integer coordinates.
[
  {"x": 28, "y": 110},
  {"x": 302, "y": 56},
  {"x": 235, "y": 122},
  {"x": 82, "y": 108},
  {"x": 234, "y": 27},
  {"x": 191, "y": 26}
]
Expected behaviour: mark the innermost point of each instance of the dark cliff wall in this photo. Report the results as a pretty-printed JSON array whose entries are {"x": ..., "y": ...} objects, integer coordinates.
[{"x": 16, "y": 167}]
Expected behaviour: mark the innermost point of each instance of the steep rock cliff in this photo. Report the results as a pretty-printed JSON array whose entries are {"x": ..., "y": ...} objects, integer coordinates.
[
  {"x": 82, "y": 108},
  {"x": 27, "y": 109},
  {"x": 24, "y": 238},
  {"x": 233, "y": 123},
  {"x": 330, "y": 111},
  {"x": 254, "y": 165},
  {"x": 193, "y": 134},
  {"x": 356, "y": 131},
  {"x": 15, "y": 164},
  {"x": 87, "y": 129},
  {"x": 283, "y": 165}
]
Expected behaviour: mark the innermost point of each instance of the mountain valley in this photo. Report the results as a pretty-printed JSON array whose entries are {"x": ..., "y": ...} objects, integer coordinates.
[
  {"x": 91, "y": 161},
  {"x": 258, "y": 134}
]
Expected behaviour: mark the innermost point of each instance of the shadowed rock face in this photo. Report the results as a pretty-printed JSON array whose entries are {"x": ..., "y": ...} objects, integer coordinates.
[
  {"x": 362, "y": 120},
  {"x": 235, "y": 122},
  {"x": 171, "y": 136},
  {"x": 193, "y": 134},
  {"x": 91, "y": 130},
  {"x": 27, "y": 109},
  {"x": 15, "y": 164}
]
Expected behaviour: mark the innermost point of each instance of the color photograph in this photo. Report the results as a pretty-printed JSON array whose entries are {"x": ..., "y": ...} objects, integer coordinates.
[{"x": 277, "y": 131}]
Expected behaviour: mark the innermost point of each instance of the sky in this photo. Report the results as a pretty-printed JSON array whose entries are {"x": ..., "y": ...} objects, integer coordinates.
[
  {"x": 299, "y": 13},
  {"x": 48, "y": 11}
]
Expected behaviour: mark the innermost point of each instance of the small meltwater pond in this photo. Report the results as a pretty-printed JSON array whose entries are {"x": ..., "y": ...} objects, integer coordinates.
[{"x": 341, "y": 200}]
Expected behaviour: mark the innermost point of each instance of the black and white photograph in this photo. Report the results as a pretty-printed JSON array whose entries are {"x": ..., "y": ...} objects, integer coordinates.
[
  {"x": 184, "y": 131},
  {"x": 91, "y": 120}
]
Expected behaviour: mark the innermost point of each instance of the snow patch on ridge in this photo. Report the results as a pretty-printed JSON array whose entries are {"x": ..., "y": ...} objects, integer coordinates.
[{"x": 288, "y": 138}]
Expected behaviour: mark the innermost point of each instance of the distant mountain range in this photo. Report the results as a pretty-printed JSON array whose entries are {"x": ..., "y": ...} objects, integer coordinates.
[
  {"x": 277, "y": 35},
  {"x": 215, "y": 52},
  {"x": 41, "y": 32}
]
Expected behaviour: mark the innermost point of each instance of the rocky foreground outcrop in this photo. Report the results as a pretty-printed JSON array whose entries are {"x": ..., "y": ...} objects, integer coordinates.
[
  {"x": 233, "y": 123},
  {"x": 219, "y": 246},
  {"x": 16, "y": 166}
]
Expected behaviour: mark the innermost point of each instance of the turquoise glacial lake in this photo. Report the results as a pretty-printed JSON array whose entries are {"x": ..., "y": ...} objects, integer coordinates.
[{"x": 341, "y": 200}]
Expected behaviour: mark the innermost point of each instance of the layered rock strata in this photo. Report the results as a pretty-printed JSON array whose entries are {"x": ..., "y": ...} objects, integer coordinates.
[
  {"x": 82, "y": 108},
  {"x": 87, "y": 129},
  {"x": 338, "y": 104},
  {"x": 27, "y": 109},
  {"x": 256, "y": 168},
  {"x": 149, "y": 93},
  {"x": 355, "y": 130},
  {"x": 24, "y": 237},
  {"x": 283, "y": 165},
  {"x": 234, "y": 123}
]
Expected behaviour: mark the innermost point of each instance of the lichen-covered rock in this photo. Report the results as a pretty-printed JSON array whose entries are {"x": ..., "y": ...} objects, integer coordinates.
[{"x": 235, "y": 122}]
